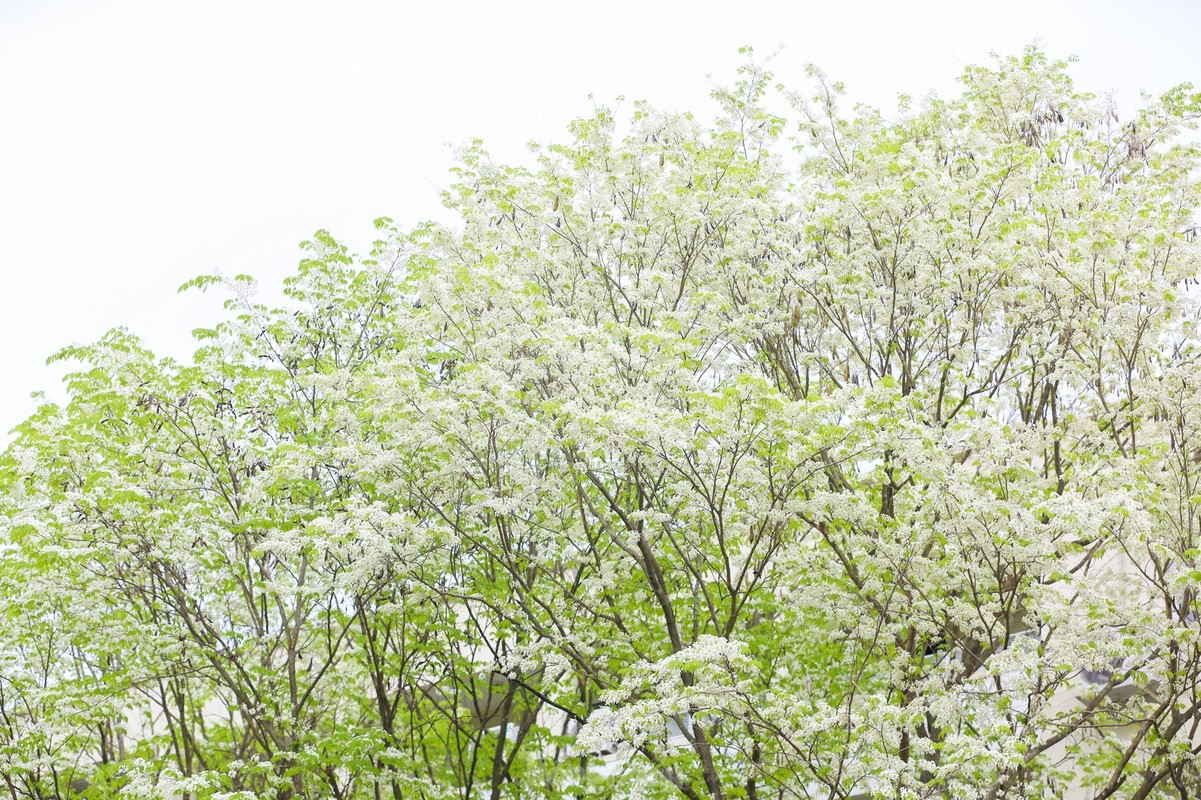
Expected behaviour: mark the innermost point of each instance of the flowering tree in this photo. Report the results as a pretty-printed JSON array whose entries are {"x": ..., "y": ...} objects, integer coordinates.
[{"x": 796, "y": 455}]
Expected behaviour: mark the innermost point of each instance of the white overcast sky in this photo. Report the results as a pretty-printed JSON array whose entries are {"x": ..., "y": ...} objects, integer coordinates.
[{"x": 144, "y": 142}]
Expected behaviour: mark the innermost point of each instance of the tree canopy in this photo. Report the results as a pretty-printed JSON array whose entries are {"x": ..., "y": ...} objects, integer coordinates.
[{"x": 798, "y": 454}]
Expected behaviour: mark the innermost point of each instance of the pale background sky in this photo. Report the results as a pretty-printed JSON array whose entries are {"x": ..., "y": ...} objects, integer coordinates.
[{"x": 144, "y": 142}]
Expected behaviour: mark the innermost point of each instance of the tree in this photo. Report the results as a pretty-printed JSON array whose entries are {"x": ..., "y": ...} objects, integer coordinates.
[{"x": 799, "y": 455}]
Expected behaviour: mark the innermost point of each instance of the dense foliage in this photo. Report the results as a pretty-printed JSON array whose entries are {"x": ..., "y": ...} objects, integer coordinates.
[{"x": 796, "y": 455}]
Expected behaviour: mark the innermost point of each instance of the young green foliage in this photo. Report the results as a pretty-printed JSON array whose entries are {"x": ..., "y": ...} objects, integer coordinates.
[{"x": 796, "y": 455}]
